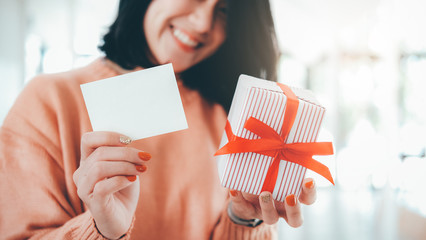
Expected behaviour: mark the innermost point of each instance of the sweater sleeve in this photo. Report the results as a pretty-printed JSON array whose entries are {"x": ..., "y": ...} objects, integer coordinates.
[
  {"x": 226, "y": 229},
  {"x": 39, "y": 152},
  {"x": 79, "y": 227}
]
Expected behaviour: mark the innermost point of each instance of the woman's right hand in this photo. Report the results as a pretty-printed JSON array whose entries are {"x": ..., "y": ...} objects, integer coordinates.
[{"x": 107, "y": 180}]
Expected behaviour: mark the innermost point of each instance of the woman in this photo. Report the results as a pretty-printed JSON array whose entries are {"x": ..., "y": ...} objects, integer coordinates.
[{"x": 59, "y": 180}]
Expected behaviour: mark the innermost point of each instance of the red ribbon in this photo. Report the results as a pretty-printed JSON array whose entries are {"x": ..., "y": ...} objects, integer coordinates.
[{"x": 274, "y": 145}]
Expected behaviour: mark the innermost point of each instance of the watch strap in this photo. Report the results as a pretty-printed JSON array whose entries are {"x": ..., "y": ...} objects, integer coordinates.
[{"x": 249, "y": 223}]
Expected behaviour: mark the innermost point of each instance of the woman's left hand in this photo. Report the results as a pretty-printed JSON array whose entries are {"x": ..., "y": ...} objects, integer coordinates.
[{"x": 249, "y": 206}]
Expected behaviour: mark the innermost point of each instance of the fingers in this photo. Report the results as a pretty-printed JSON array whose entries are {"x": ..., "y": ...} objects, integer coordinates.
[
  {"x": 266, "y": 208},
  {"x": 101, "y": 170},
  {"x": 269, "y": 212},
  {"x": 108, "y": 154},
  {"x": 309, "y": 193},
  {"x": 293, "y": 212},
  {"x": 92, "y": 140},
  {"x": 241, "y": 207},
  {"x": 111, "y": 185},
  {"x": 127, "y": 154}
]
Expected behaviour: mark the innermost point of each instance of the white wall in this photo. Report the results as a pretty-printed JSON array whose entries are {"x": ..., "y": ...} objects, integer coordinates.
[
  {"x": 46, "y": 36},
  {"x": 12, "y": 32}
]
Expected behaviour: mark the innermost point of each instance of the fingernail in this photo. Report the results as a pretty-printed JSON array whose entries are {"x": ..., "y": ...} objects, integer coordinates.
[
  {"x": 131, "y": 178},
  {"x": 141, "y": 168},
  {"x": 266, "y": 198},
  {"x": 310, "y": 184},
  {"x": 144, "y": 156},
  {"x": 233, "y": 193},
  {"x": 291, "y": 200},
  {"x": 125, "y": 140}
]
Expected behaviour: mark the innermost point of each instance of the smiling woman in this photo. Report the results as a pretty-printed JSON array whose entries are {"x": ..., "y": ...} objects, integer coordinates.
[{"x": 73, "y": 183}]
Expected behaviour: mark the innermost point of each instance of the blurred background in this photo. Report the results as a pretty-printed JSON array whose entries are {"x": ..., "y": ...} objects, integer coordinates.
[{"x": 365, "y": 60}]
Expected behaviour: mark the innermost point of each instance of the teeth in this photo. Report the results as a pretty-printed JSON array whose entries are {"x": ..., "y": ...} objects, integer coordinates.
[{"x": 184, "y": 38}]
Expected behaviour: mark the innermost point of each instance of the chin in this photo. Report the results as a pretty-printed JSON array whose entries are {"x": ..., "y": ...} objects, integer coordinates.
[
  {"x": 178, "y": 67},
  {"x": 181, "y": 63}
]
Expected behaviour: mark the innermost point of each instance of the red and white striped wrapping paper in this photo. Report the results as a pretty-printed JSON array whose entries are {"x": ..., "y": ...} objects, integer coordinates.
[{"x": 265, "y": 101}]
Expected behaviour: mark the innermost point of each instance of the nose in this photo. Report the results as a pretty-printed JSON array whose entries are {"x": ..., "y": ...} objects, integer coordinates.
[{"x": 202, "y": 17}]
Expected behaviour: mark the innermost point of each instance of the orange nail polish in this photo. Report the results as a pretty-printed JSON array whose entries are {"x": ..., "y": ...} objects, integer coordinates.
[
  {"x": 309, "y": 184},
  {"x": 144, "y": 156},
  {"x": 291, "y": 200},
  {"x": 233, "y": 193},
  {"x": 141, "y": 168},
  {"x": 131, "y": 178}
]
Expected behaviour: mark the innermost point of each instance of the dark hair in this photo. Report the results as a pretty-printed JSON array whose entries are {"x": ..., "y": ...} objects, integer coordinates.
[{"x": 250, "y": 48}]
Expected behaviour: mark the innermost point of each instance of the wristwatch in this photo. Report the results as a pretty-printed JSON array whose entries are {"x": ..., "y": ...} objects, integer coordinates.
[{"x": 248, "y": 223}]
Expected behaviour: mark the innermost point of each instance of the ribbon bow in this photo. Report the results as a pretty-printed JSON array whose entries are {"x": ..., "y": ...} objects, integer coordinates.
[{"x": 274, "y": 145}]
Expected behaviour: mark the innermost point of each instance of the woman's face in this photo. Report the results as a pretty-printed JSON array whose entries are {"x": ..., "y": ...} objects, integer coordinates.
[{"x": 184, "y": 32}]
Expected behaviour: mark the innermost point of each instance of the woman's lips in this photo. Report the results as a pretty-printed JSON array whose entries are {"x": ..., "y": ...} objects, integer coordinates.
[{"x": 184, "y": 40}]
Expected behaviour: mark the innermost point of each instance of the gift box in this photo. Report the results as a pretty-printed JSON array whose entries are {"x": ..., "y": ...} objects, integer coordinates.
[{"x": 270, "y": 138}]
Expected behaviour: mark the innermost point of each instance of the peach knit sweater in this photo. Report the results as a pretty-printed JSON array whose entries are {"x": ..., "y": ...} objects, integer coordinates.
[{"x": 180, "y": 197}]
